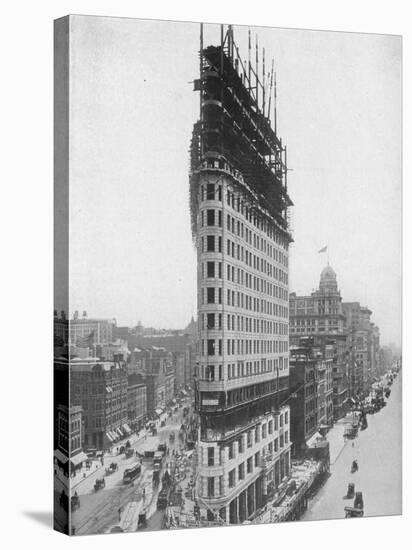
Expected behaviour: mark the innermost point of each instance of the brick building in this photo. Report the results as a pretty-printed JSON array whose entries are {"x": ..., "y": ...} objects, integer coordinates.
[{"x": 100, "y": 388}]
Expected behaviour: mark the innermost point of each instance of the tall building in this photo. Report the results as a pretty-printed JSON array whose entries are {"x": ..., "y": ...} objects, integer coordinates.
[
  {"x": 321, "y": 316},
  {"x": 100, "y": 388},
  {"x": 363, "y": 343},
  {"x": 136, "y": 401},
  {"x": 239, "y": 205}
]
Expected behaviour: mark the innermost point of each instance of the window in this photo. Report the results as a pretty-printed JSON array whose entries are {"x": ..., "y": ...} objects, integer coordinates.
[
  {"x": 210, "y": 295},
  {"x": 263, "y": 431},
  {"x": 249, "y": 439},
  {"x": 241, "y": 471},
  {"x": 210, "y": 243},
  {"x": 210, "y": 456},
  {"x": 230, "y": 453},
  {"x": 210, "y": 347},
  {"x": 210, "y": 269},
  {"x": 210, "y": 486},
  {"x": 210, "y": 217},
  {"x": 270, "y": 426},
  {"x": 210, "y": 192},
  {"x": 257, "y": 459},
  {"x": 241, "y": 446},
  {"x": 232, "y": 478},
  {"x": 249, "y": 465},
  {"x": 210, "y": 320}
]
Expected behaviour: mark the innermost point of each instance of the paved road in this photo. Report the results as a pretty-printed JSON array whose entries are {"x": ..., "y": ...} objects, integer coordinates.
[
  {"x": 100, "y": 510},
  {"x": 378, "y": 450}
]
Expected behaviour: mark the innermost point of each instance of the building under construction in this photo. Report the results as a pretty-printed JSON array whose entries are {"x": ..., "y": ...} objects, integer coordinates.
[{"x": 239, "y": 209}]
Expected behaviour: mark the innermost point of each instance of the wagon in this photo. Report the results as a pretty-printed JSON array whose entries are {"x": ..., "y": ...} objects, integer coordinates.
[
  {"x": 99, "y": 484},
  {"x": 352, "y": 512}
]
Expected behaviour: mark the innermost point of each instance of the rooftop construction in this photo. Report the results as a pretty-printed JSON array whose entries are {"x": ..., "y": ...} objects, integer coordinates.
[{"x": 237, "y": 129}]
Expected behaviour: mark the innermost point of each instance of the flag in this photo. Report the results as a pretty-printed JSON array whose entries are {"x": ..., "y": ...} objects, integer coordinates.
[{"x": 324, "y": 249}]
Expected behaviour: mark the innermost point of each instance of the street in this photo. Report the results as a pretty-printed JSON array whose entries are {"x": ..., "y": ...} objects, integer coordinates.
[
  {"x": 101, "y": 510},
  {"x": 378, "y": 450}
]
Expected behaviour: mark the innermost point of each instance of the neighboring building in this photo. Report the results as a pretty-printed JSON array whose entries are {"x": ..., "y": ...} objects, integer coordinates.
[
  {"x": 304, "y": 419},
  {"x": 70, "y": 438},
  {"x": 239, "y": 206},
  {"x": 115, "y": 350},
  {"x": 356, "y": 346},
  {"x": 311, "y": 389},
  {"x": 156, "y": 367},
  {"x": 181, "y": 344},
  {"x": 169, "y": 386},
  {"x": 363, "y": 344},
  {"x": 100, "y": 388},
  {"x": 136, "y": 402},
  {"x": 85, "y": 331},
  {"x": 320, "y": 316}
]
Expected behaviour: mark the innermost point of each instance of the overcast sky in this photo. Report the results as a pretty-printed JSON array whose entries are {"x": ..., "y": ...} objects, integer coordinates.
[{"x": 133, "y": 108}]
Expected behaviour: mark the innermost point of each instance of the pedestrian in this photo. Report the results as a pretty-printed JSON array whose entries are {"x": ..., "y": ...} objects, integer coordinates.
[{"x": 120, "y": 514}]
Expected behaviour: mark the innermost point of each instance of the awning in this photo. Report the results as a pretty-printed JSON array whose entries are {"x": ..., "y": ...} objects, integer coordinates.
[
  {"x": 60, "y": 457},
  {"x": 78, "y": 459},
  {"x": 126, "y": 429},
  {"x": 119, "y": 431},
  {"x": 313, "y": 439},
  {"x": 110, "y": 436}
]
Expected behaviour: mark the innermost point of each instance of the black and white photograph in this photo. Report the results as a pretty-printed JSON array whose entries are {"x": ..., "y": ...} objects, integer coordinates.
[{"x": 227, "y": 292}]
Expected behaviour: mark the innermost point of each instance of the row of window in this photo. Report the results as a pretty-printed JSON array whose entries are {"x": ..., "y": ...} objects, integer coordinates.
[
  {"x": 213, "y": 243},
  {"x": 212, "y": 347},
  {"x": 242, "y": 369},
  {"x": 213, "y": 218},
  {"x": 213, "y": 295},
  {"x": 213, "y": 192},
  {"x": 242, "y": 470},
  {"x": 213, "y": 270},
  {"x": 239, "y": 323}
]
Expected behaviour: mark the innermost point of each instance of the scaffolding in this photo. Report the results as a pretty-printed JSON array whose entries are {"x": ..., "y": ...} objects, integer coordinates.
[{"x": 235, "y": 133}]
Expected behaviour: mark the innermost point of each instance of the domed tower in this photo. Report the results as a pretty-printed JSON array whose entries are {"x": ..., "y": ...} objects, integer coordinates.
[{"x": 328, "y": 283}]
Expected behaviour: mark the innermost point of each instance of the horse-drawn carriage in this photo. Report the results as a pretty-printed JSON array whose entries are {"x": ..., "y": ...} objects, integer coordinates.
[
  {"x": 99, "y": 484},
  {"x": 113, "y": 467},
  {"x": 355, "y": 511}
]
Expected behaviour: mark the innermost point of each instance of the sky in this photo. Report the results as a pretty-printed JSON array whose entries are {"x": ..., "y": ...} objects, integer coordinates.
[{"x": 132, "y": 113}]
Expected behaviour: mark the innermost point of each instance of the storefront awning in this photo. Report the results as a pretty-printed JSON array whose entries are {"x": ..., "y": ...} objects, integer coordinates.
[
  {"x": 60, "y": 457},
  {"x": 313, "y": 439},
  {"x": 78, "y": 459},
  {"x": 110, "y": 436},
  {"x": 119, "y": 431},
  {"x": 126, "y": 429}
]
